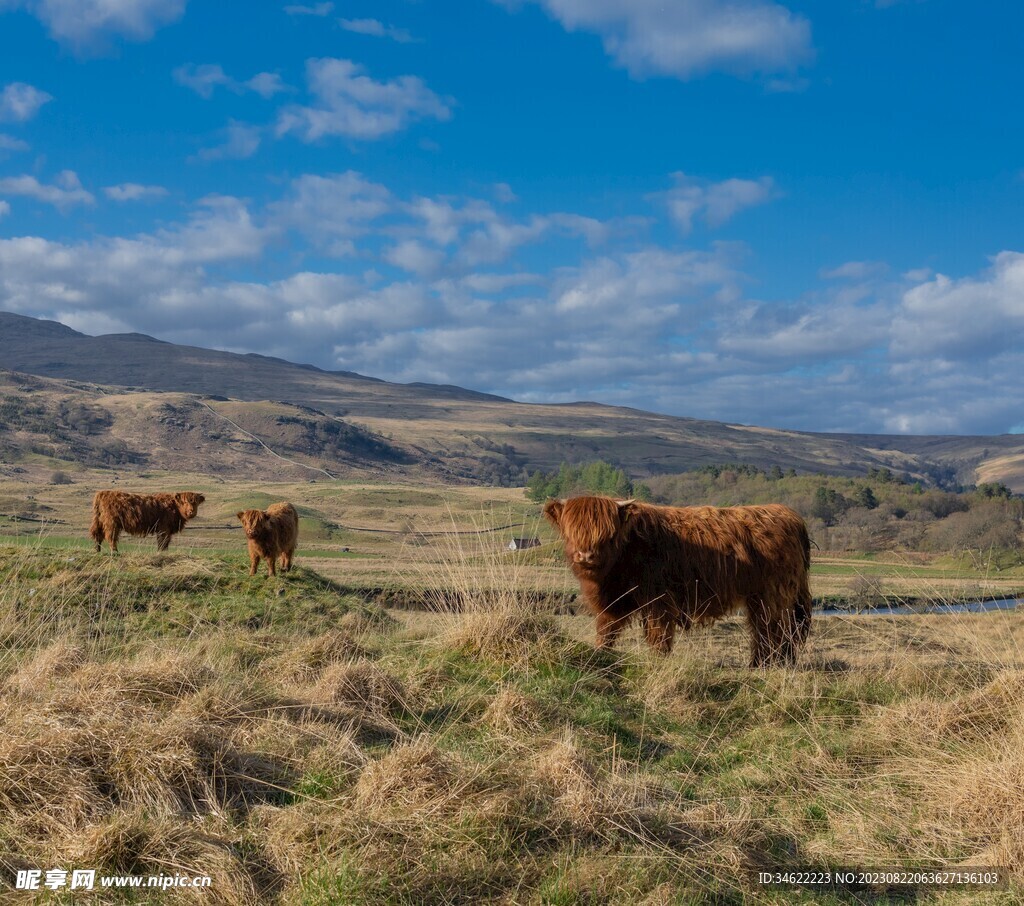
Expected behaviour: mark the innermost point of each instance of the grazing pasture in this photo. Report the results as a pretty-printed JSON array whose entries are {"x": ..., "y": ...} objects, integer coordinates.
[
  {"x": 394, "y": 537},
  {"x": 301, "y": 744}
]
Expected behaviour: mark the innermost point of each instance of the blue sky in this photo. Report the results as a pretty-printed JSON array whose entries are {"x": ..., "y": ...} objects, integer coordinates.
[{"x": 796, "y": 214}]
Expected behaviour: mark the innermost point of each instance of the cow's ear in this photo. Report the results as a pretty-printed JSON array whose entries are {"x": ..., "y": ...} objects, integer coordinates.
[
  {"x": 553, "y": 511},
  {"x": 200, "y": 499},
  {"x": 239, "y": 514}
]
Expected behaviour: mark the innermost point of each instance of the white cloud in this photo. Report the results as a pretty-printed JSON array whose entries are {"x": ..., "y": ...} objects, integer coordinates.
[
  {"x": 201, "y": 78},
  {"x": 663, "y": 328},
  {"x": 205, "y": 78},
  {"x": 917, "y": 274},
  {"x": 972, "y": 316},
  {"x": 503, "y": 193},
  {"x": 64, "y": 192},
  {"x": 651, "y": 285},
  {"x": 349, "y": 104},
  {"x": 498, "y": 283},
  {"x": 20, "y": 101},
  {"x": 914, "y": 354},
  {"x": 241, "y": 141},
  {"x": 724, "y": 199},
  {"x": 10, "y": 143},
  {"x": 493, "y": 241},
  {"x": 715, "y": 202},
  {"x": 415, "y": 257},
  {"x": 685, "y": 38},
  {"x": 443, "y": 219},
  {"x": 316, "y": 9},
  {"x": 428, "y": 234},
  {"x": 855, "y": 270},
  {"x": 331, "y": 211},
  {"x": 220, "y": 229},
  {"x": 133, "y": 191},
  {"x": 266, "y": 84},
  {"x": 377, "y": 29},
  {"x": 90, "y": 25},
  {"x": 595, "y": 232},
  {"x": 822, "y": 331},
  {"x": 140, "y": 281},
  {"x": 476, "y": 234}
]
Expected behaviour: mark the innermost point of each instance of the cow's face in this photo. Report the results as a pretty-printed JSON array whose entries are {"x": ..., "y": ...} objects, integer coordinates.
[
  {"x": 188, "y": 503},
  {"x": 252, "y": 521},
  {"x": 594, "y": 530}
]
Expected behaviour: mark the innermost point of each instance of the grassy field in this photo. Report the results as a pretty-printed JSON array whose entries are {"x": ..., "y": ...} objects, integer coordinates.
[
  {"x": 302, "y": 745},
  {"x": 168, "y": 713},
  {"x": 389, "y": 539}
]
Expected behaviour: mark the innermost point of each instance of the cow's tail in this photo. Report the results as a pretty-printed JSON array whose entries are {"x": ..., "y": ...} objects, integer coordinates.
[
  {"x": 802, "y": 609},
  {"x": 96, "y": 529}
]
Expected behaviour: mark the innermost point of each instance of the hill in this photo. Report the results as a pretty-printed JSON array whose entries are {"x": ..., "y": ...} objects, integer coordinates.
[{"x": 233, "y": 401}]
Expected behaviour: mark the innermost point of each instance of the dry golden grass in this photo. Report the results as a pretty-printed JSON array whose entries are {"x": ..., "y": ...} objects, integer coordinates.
[
  {"x": 485, "y": 599},
  {"x": 491, "y": 754},
  {"x": 513, "y": 714},
  {"x": 307, "y": 660}
]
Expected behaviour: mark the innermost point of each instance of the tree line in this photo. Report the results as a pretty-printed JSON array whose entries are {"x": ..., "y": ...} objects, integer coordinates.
[
  {"x": 587, "y": 478},
  {"x": 881, "y": 510}
]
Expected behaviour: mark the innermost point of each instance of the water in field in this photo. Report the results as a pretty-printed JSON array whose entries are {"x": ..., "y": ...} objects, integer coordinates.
[{"x": 897, "y": 609}]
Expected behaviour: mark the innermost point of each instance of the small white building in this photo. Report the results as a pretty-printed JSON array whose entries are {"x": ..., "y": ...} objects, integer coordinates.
[{"x": 521, "y": 544}]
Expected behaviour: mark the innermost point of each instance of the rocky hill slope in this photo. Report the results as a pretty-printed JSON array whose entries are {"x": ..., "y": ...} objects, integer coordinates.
[{"x": 132, "y": 400}]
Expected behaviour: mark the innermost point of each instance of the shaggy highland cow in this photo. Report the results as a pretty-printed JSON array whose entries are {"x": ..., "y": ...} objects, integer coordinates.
[
  {"x": 686, "y": 565},
  {"x": 272, "y": 533},
  {"x": 162, "y": 515}
]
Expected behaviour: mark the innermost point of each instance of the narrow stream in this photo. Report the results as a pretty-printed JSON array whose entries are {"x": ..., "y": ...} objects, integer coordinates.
[{"x": 969, "y": 607}]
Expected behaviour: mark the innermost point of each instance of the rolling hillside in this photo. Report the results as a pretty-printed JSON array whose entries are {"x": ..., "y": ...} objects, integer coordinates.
[{"x": 159, "y": 405}]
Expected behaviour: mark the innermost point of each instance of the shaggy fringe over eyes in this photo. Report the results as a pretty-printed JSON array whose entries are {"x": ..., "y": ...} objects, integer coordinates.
[
  {"x": 588, "y": 522},
  {"x": 250, "y": 519}
]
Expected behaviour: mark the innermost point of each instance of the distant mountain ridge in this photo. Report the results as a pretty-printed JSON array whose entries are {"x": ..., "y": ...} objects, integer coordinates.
[
  {"x": 452, "y": 432},
  {"x": 52, "y": 349}
]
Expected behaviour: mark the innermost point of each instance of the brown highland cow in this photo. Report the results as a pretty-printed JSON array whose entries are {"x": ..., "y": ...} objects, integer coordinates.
[
  {"x": 272, "y": 533},
  {"x": 162, "y": 515},
  {"x": 686, "y": 565}
]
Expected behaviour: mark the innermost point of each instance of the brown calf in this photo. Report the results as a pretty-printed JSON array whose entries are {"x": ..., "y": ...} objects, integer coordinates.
[{"x": 272, "y": 533}]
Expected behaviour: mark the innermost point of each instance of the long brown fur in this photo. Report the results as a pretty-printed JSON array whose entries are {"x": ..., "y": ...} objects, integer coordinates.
[
  {"x": 272, "y": 533},
  {"x": 162, "y": 515},
  {"x": 676, "y": 566}
]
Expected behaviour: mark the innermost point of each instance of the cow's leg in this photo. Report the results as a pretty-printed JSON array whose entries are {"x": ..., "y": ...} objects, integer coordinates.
[
  {"x": 609, "y": 628},
  {"x": 286, "y": 561},
  {"x": 660, "y": 631},
  {"x": 785, "y": 636},
  {"x": 272, "y": 564},
  {"x": 112, "y": 537},
  {"x": 760, "y": 641},
  {"x": 163, "y": 540},
  {"x": 254, "y": 561},
  {"x": 96, "y": 531}
]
